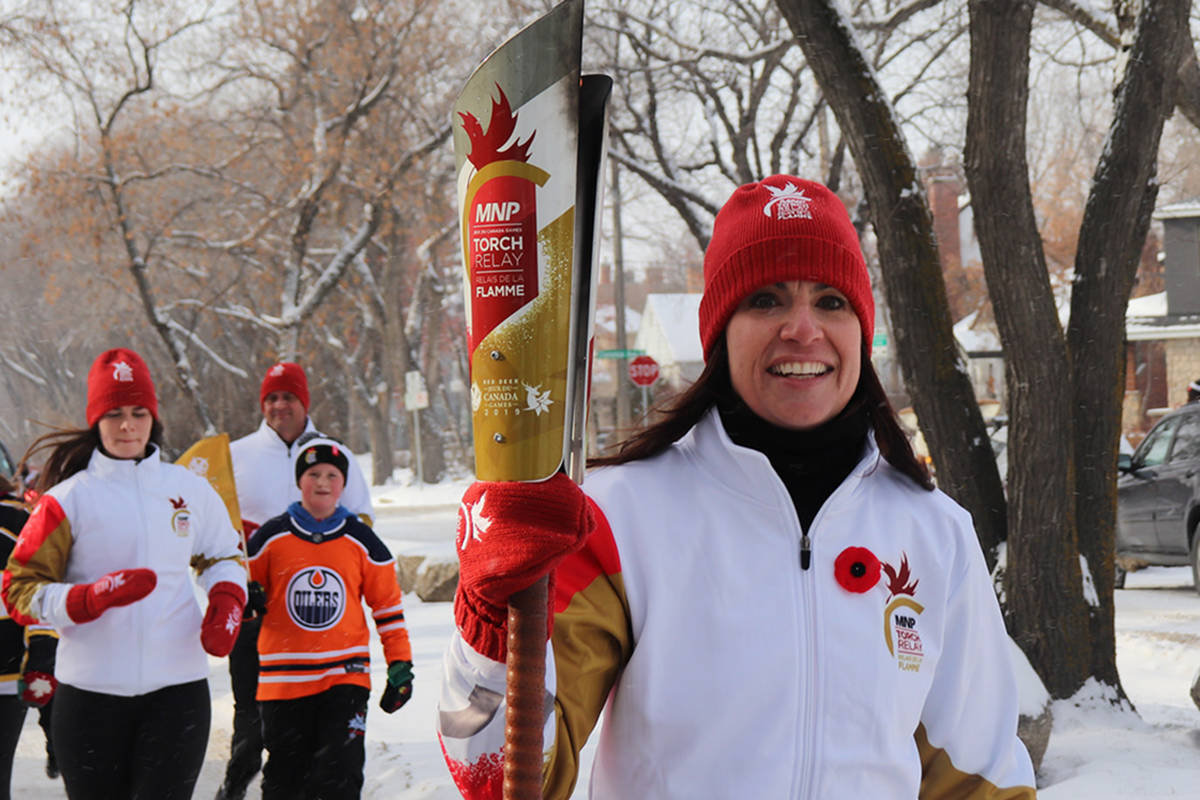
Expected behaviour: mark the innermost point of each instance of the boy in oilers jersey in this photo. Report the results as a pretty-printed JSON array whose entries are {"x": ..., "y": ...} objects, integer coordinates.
[{"x": 317, "y": 563}]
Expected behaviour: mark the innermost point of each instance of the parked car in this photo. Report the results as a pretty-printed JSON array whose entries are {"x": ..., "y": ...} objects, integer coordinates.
[{"x": 1158, "y": 496}]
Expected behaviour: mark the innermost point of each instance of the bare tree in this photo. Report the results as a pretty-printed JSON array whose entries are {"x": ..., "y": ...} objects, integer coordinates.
[
  {"x": 251, "y": 160},
  {"x": 1043, "y": 532},
  {"x": 1116, "y": 217},
  {"x": 1060, "y": 472},
  {"x": 704, "y": 104},
  {"x": 733, "y": 73},
  {"x": 70, "y": 53}
]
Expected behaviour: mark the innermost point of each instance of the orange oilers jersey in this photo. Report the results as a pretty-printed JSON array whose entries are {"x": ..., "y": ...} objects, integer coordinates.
[{"x": 314, "y": 634}]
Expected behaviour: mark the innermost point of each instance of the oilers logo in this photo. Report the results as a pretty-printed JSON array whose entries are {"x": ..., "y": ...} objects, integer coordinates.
[{"x": 316, "y": 598}]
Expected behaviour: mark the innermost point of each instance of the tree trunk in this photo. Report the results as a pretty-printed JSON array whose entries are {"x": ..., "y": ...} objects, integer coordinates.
[
  {"x": 1043, "y": 583},
  {"x": 379, "y": 431},
  {"x": 1115, "y": 221},
  {"x": 912, "y": 275},
  {"x": 433, "y": 451}
]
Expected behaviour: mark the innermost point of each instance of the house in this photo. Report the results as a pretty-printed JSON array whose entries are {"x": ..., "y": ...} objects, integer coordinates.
[
  {"x": 1162, "y": 320},
  {"x": 670, "y": 334},
  {"x": 1162, "y": 330},
  {"x": 962, "y": 269},
  {"x": 976, "y": 334}
]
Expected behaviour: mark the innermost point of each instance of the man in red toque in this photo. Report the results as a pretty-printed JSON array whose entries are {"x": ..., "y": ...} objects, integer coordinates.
[{"x": 262, "y": 469}]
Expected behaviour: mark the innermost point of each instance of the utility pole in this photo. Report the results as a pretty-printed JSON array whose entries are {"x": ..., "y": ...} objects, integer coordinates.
[{"x": 623, "y": 413}]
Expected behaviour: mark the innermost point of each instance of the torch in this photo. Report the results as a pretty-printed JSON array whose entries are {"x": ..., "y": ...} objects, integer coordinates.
[{"x": 529, "y": 134}]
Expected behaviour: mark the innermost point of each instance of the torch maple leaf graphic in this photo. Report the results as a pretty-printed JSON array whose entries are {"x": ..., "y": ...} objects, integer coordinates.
[
  {"x": 788, "y": 192},
  {"x": 485, "y": 145},
  {"x": 898, "y": 580},
  {"x": 474, "y": 521},
  {"x": 537, "y": 400}
]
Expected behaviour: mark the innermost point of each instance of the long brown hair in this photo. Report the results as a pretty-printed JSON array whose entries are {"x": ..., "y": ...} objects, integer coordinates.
[
  {"x": 70, "y": 451},
  {"x": 682, "y": 413}
]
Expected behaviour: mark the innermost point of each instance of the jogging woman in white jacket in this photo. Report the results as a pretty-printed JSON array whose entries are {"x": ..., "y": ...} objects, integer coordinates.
[
  {"x": 105, "y": 559},
  {"x": 762, "y": 592}
]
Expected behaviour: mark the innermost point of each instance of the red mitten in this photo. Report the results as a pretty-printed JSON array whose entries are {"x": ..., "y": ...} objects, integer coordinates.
[
  {"x": 36, "y": 688},
  {"x": 86, "y": 601},
  {"x": 223, "y": 619},
  {"x": 510, "y": 534},
  {"x": 37, "y": 683}
]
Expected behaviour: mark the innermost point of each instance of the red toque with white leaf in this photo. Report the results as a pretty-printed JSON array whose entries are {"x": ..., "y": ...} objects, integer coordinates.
[
  {"x": 285, "y": 377},
  {"x": 781, "y": 228},
  {"x": 119, "y": 377}
]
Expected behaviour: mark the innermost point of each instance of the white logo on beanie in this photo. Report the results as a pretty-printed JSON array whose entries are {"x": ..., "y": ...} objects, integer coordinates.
[
  {"x": 122, "y": 372},
  {"x": 788, "y": 203},
  {"x": 275, "y": 371},
  {"x": 473, "y": 522}
]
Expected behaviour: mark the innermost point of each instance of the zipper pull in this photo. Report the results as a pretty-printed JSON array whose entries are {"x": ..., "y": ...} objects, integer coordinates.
[{"x": 805, "y": 551}]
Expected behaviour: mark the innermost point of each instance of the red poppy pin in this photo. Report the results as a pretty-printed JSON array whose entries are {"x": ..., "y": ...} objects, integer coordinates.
[{"x": 856, "y": 569}]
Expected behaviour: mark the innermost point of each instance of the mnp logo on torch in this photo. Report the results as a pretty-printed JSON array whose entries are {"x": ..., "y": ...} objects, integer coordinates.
[{"x": 500, "y": 220}]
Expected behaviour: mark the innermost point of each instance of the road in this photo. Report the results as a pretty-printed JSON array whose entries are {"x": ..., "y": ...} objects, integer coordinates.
[
  {"x": 1158, "y": 643},
  {"x": 428, "y": 531}
]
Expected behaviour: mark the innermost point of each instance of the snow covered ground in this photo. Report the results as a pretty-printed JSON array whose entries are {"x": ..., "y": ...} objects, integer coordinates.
[
  {"x": 1095, "y": 752},
  {"x": 1101, "y": 753}
]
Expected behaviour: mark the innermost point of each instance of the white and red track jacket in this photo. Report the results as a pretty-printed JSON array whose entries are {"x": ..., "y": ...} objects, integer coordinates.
[
  {"x": 724, "y": 669},
  {"x": 118, "y": 514}
]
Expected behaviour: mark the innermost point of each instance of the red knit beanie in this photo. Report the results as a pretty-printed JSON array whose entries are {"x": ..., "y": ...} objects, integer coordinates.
[
  {"x": 781, "y": 228},
  {"x": 119, "y": 377},
  {"x": 285, "y": 377}
]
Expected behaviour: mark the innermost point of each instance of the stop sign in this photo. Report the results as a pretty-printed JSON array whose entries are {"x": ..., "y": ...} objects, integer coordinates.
[{"x": 643, "y": 370}]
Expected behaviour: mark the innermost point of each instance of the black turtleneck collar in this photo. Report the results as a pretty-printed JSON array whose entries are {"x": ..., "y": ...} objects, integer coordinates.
[{"x": 811, "y": 463}]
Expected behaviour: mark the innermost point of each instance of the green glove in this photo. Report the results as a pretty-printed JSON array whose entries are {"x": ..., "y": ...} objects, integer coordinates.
[{"x": 399, "y": 686}]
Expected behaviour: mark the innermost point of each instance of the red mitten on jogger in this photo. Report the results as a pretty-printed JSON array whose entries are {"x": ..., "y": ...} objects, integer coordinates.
[
  {"x": 223, "y": 619},
  {"x": 510, "y": 534},
  {"x": 86, "y": 601},
  {"x": 37, "y": 683}
]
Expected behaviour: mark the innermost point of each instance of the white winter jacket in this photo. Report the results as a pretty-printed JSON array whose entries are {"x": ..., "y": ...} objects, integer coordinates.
[
  {"x": 725, "y": 670},
  {"x": 119, "y": 514},
  {"x": 266, "y": 483}
]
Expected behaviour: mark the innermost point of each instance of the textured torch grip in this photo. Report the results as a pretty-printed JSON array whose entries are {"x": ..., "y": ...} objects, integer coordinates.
[{"x": 525, "y": 692}]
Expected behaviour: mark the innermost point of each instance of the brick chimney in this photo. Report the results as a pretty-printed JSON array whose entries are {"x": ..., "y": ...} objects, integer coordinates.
[{"x": 943, "y": 185}]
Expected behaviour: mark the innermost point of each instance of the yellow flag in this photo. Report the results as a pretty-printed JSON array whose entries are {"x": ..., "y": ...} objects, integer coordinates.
[{"x": 209, "y": 458}]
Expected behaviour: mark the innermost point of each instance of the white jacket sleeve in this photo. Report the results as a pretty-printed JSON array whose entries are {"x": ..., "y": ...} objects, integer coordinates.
[
  {"x": 216, "y": 556},
  {"x": 968, "y": 735},
  {"x": 471, "y": 714},
  {"x": 357, "y": 497}
]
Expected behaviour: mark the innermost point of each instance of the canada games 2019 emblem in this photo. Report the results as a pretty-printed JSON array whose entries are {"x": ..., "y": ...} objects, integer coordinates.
[{"x": 316, "y": 598}]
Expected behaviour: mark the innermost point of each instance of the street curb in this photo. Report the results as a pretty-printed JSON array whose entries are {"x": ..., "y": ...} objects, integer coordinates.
[{"x": 391, "y": 510}]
